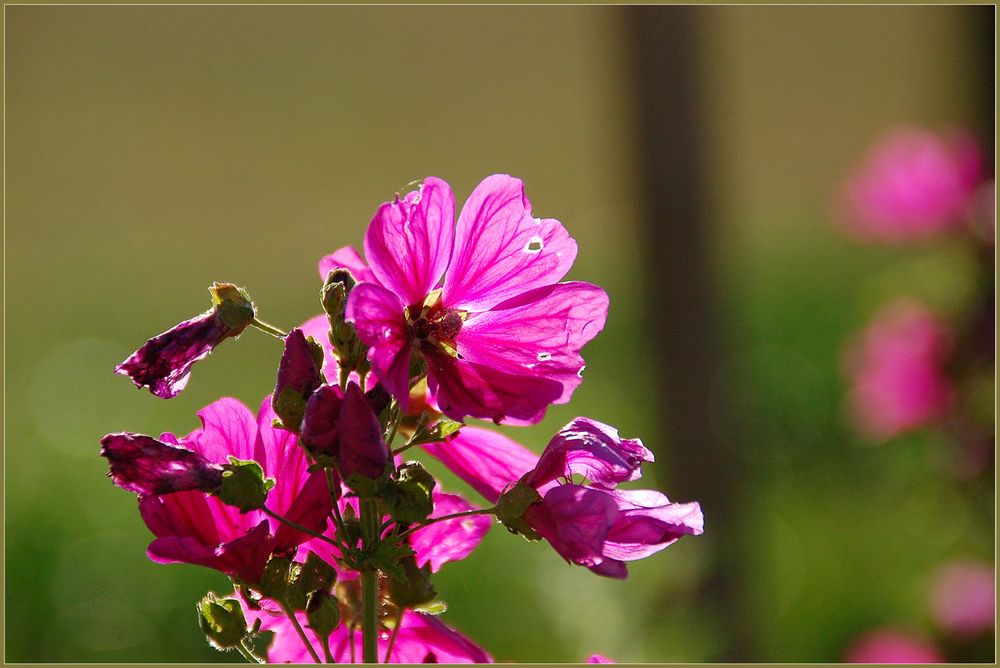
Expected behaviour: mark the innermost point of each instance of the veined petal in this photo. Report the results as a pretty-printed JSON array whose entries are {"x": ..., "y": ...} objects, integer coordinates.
[
  {"x": 501, "y": 250},
  {"x": 464, "y": 388},
  {"x": 486, "y": 460},
  {"x": 593, "y": 450},
  {"x": 450, "y": 540},
  {"x": 539, "y": 333},
  {"x": 408, "y": 243},
  {"x": 228, "y": 428},
  {"x": 243, "y": 557},
  {"x": 641, "y": 531},
  {"x": 377, "y": 314},
  {"x": 575, "y": 520},
  {"x": 346, "y": 258}
]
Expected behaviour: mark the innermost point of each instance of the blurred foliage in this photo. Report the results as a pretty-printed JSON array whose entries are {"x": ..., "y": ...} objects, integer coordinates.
[{"x": 153, "y": 150}]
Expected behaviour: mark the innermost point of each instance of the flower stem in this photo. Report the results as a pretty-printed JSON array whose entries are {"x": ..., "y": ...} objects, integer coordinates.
[
  {"x": 298, "y": 629},
  {"x": 268, "y": 328},
  {"x": 326, "y": 650},
  {"x": 299, "y": 527},
  {"x": 434, "y": 520},
  {"x": 369, "y": 582},
  {"x": 395, "y": 631}
]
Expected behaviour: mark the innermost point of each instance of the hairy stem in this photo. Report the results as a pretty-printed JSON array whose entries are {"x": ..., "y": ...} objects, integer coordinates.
[
  {"x": 247, "y": 653},
  {"x": 395, "y": 631},
  {"x": 268, "y": 328},
  {"x": 299, "y": 527},
  {"x": 369, "y": 582},
  {"x": 434, "y": 520},
  {"x": 298, "y": 629}
]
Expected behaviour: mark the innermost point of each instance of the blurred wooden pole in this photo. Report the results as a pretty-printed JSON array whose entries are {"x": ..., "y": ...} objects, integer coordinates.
[{"x": 682, "y": 313}]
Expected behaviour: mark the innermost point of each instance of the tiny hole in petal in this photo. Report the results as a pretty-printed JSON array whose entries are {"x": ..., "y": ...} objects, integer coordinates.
[
  {"x": 544, "y": 357},
  {"x": 534, "y": 245}
]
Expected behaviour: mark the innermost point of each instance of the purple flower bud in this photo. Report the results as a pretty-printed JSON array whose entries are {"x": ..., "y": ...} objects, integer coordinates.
[
  {"x": 362, "y": 450},
  {"x": 320, "y": 431},
  {"x": 298, "y": 378},
  {"x": 143, "y": 465},
  {"x": 164, "y": 363}
]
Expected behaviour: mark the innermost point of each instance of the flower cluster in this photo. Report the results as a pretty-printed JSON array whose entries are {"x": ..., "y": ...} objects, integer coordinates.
[{"x": 328, "y": 534}]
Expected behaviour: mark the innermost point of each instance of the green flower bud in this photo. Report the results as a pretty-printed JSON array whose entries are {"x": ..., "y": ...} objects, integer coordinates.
[
  {"x": 512, "y": 506},
  {"x": 416, "y": 588},
  {"x": 222, "y": 621},
  {"x": 232, "y": 305},
  {"x": 409, "y": 497},
  {"x": 322, "y": 612}
]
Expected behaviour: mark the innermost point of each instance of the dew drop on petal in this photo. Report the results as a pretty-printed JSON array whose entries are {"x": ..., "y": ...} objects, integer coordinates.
[{"x": 534, "y": 245}]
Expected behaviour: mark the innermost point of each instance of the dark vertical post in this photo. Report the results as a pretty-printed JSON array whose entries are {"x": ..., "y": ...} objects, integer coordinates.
[{"x": 682, "y": 314}]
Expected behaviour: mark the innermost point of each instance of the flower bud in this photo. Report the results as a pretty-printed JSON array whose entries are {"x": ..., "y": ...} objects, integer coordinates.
[
  {"x": 222, "y": 621},
  {"x": 322, "y": 612},
  {"x": 409, "y": 498},
  {"x": 298, "y": 377},
  {"x": 362, "y": 451},
  {"x": 244, "y": 485},
  {"x": 233, "y": 306},
  {"x": 416, "y": 589},
  {"x": 143, "y": 465},
  {"x": 512, "y": 506},
  {"x": 338, "y": 285}
]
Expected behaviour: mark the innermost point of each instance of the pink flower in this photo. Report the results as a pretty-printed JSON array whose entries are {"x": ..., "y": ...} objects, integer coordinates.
[
  {"x": 911, "y": 185},
  {"x": 891, "y": 646},
  {"x": 501, "y": 337},
  {"x": 163, "y": 364},
  {"x": 594, "y": 524},
  {"x": 896, "y": 372},
  {"x": 193, "y": 527},
  {"x": 298, "y": 378},
  {"x": 422, "y": 638},
  {"x": 344, "y": 426},
  {"x": 598, "y": 658},
  {"x": 964, "y": 598}
]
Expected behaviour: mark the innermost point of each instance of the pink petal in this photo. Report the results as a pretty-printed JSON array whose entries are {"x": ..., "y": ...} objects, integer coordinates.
[
  {"x": 598, "y": 658},
  {"x": 539, "y": 333},
  {"x": 362, "y": 450},
  {"x": 409, "y": 241},
  {"x": 378, "y": 316},
  {"x": 346, "y": 258},
  {"x": 639, "y": 531},
  {"x": 450, "y": 540},
  {"x": 501, "y": 250},
  {"x": 242, "y": 557},
  {"x": 887, "y": 645},
  {"x": 575, "y": 520},
  {"x": 464, "y": 388},
  {"x": 487, "y": 461},
  {"x": 228, "y": 428},
  {"x": 593, "y": 450}
]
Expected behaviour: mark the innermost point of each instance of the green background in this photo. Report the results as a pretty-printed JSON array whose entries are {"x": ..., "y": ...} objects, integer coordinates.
[{"x": 153, "y": 150}]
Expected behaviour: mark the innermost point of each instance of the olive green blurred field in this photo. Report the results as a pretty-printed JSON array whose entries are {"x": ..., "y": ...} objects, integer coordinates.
[{"x": 152, "y": 150}]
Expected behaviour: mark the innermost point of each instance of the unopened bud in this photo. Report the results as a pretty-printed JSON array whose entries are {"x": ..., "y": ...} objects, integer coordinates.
[
  {"x": 409, "y": 499},
  {"x": 416, "y": 588},
  {"x": 512, "y": 506},
  {"x": 233, "y": 306},
  {"x": 322, "y": 612},
  {"x": 222, "y": 621},
  {"x": 339, "y": 283}
]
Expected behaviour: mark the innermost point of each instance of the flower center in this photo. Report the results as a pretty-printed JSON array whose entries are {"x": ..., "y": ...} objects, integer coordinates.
[{"x": 432, "y": 326}]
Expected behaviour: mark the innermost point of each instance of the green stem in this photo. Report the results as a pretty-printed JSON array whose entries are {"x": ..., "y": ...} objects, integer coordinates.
[
  {"x": 247, "y": 654},
  {"x": 298, "y": 629},
  {"x": 395, "y": 631},
  {"x": 395, "y": 423},
  {"x": 369, "y": 582},
  {"x": 326, "y": 650},
  {"x": 268, "y": 328},
  {"x": 404, "y": 448},
  {"x": 299, "y": 527},
  {"x": 435, "y": 520}
]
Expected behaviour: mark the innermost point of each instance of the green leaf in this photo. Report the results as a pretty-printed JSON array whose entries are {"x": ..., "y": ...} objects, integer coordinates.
[
  {"x": 387, "y": 558},
  {"x": 243, "y": 485}
]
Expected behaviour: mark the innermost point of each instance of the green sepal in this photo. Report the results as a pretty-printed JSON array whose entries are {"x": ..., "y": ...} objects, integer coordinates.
[
  {"x": 317, "y": 574},
  {"x": 290, "y": 406},
  {"x": 387, "y": 558},
  {"x": 416, "y": 589},
  {"x": 512, "y": 506},
  {"x": 322, "y": 612},
  {"x": 409, "y": 498},
  {"x": 244, "y": 485},
  {"x": 232, "y": 305},
  {"x": 438, "y": 431},
  {"x": 222, "y": 621}
]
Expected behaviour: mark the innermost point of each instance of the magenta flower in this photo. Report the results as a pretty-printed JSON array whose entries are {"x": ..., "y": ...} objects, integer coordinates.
[
  {"x": 143, "y": 465},
  {"x": 344, "y": 426},
  {"x": 298, "y": 378},
  {"x": 501, "y": 337},
  {"x": 598, "y": 658},
  {"x": 193, "y": 527},
  {"x": 449, "y": 540},
  {"x": 891, "y": 646},
  {"x": 593, "y": 525},
  {"x": 422, "y": 638},
  {"x": 896, "y": 369},
  {"x": 164, "y": 363},
  {"x": 912, "y": 184},
  {"x": 963, "y": 600}
]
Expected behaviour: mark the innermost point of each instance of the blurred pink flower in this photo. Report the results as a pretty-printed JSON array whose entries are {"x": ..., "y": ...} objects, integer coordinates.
[
  {"x": 888, "y": 645},
  {"x": 896, "y": 371},
  {"x": 963, "y": 600},
  {"x": 197, "y": 528},
  {"x": 502, "y": 336},
  {"x": 912, "y": 184}
]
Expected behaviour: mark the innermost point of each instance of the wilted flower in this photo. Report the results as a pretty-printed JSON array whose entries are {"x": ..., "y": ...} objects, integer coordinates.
[
  {"x": 144, "y": 465},
  {"x": 501, "y": 338},
  {"x": 963, "y": 600},
  {"x": 896, "y": 370},
  {"x": 892, "y": 646},
  {"x": 164, "y": 363},
  {"x": 592, "y": 524},
  {"x": 912, "y": 184},
  {"x": 198, "y": 528}
]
